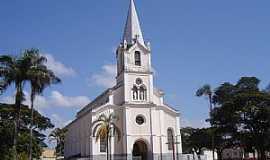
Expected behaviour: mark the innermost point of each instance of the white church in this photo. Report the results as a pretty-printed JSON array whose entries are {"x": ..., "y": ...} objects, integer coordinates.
[{"x": 150, "y": 129}]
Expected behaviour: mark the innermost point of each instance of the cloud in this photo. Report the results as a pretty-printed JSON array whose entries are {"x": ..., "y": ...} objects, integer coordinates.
[
  {"x": 58, "y": 121},
  {"x": 56, "y": 99},
  {"x": 105, "y": 78},
  {"x": 195, "y": 123},
  {"x": 58, "y": 67}
]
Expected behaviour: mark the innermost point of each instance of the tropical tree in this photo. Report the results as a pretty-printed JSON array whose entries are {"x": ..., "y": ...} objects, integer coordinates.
[
  {"x": 13, "y": 71},
  {"x": 105, "y": 128},
  {"x": 41, "y": 123},
  {"x": 207, "y": 91},
  {"x": 186, "y": 132},
  {"x": 195, "y": 140},
  {"x": 243, "y": 115},
  {"x": 40, "y": 77},
  {"x": 58, "y": 135}
]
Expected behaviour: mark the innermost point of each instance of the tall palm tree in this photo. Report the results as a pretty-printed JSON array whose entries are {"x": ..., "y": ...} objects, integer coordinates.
[
  {"x": 59, "y": 136},
  {"x": 13, "y": 72},
  {"x": 40, "y": 77},
  {"x": 207, "y": 91},
  {"x": 105, "y": 128}
]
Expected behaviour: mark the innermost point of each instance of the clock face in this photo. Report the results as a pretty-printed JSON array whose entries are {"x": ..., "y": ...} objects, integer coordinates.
[{"x": 138, "y": 81}]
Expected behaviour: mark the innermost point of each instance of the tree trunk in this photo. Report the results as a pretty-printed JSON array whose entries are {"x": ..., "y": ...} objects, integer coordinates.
[
  {"x": 219, "y": 155},
  {"x": 14, "y": 148},
  {"x": 107, "y": 147},
  {"x": 31, "y": 126},
  {"x": 213, "y": 134},
  {"x": 56, "y": 148},
  {"x": 110, "y": 148},
  {"x": 18, "y": 101},
  {"x": 210, "y": 102},
  {"x": 262, "y": 154}
]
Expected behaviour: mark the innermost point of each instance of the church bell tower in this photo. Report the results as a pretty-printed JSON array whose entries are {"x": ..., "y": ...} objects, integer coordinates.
[{"x": 134, "y": 71}]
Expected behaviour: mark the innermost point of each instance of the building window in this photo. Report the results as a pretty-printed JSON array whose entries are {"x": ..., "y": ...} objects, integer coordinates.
[
  {"x": 102, "y": 144},
  {"x": 140, "y": 120},
  {"x": 138, "y": 81},
  {"x": 135, "y": 93},
  {"x": 137, "y": 58},
  {"x": 139, "y": 91},
  {"x": 142, "y": 92},
  {"x": 170, "y": 138}
]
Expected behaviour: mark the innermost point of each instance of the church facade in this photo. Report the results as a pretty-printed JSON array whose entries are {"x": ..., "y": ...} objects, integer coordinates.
[{"x": 150, "y": 129}]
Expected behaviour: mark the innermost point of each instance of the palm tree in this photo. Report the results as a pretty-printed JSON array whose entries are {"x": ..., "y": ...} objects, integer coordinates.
[
  {"x": 40, "y": 77},
  {"x": 59, "y": 136},
  {"x": 105, "y": 128},
  {"x": 207, "y": 91},
  {"x": 13, "y": 72}
]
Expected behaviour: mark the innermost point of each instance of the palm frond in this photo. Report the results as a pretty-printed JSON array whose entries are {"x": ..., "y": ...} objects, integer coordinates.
[
  {"x": 205, "y": 90},
  {"x": 102, "y": 133},
  {"x": 7, "y": 60},
  {"x": 105, "y": 127},
  {"x": 97, "y": 121},
  {"x": 95, "y": 128}
]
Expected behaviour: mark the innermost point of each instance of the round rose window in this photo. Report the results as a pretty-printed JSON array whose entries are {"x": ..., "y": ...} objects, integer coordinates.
[
  {"x": 138, "y": 81},
  {"x": 140, "y": 120}
]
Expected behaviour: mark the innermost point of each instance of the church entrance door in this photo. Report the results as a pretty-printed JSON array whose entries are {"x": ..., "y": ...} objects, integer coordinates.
[{"x": 139, "y": 151}]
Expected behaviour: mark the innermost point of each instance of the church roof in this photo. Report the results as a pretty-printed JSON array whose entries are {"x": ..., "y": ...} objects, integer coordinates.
[{"x": 133, "y": 29}]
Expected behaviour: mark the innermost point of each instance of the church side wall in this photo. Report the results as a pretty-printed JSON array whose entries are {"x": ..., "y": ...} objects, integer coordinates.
[
  {"x": 118, "y": 96},
  {"x": 78, "y": 141}
]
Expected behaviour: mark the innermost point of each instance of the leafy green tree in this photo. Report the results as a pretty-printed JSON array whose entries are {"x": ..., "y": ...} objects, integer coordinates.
[
  {"x": 195, "y": 140},
  {"x": 243, "y": 114},
  {"x": 13, "y": 71},
  {"x": 201, "y": 138},
  {"x": 105, "y": 128},
  {"x": 7, "y": 116},
  {"x": 40, "y": 77},
  {"x": 207, "y": 91},
  {"x": 29, "y": 67},
  {"x": 186, "y": 133},
  {"x": 59, "y": 136}
]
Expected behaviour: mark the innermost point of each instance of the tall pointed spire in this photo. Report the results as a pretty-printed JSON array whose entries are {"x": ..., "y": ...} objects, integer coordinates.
[{"x": 133, "y": 29}]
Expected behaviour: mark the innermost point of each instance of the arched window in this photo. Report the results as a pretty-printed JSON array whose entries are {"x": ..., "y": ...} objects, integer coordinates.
[
  {"x": 142, "y": 93},
  {"x": 135, "y": 93},
  {"x": 139, "y": 91},
  {"x": 102, "y": 144},
  {"x": 170, "y": 138},
  {"x": 137, "y": 58}
]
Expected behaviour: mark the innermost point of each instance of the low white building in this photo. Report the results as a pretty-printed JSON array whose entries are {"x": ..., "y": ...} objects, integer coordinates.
[
  {"x": 48, "y": 154},
  {"x": 147, "y": 124},
  {"x": 233, "y": 153}
]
